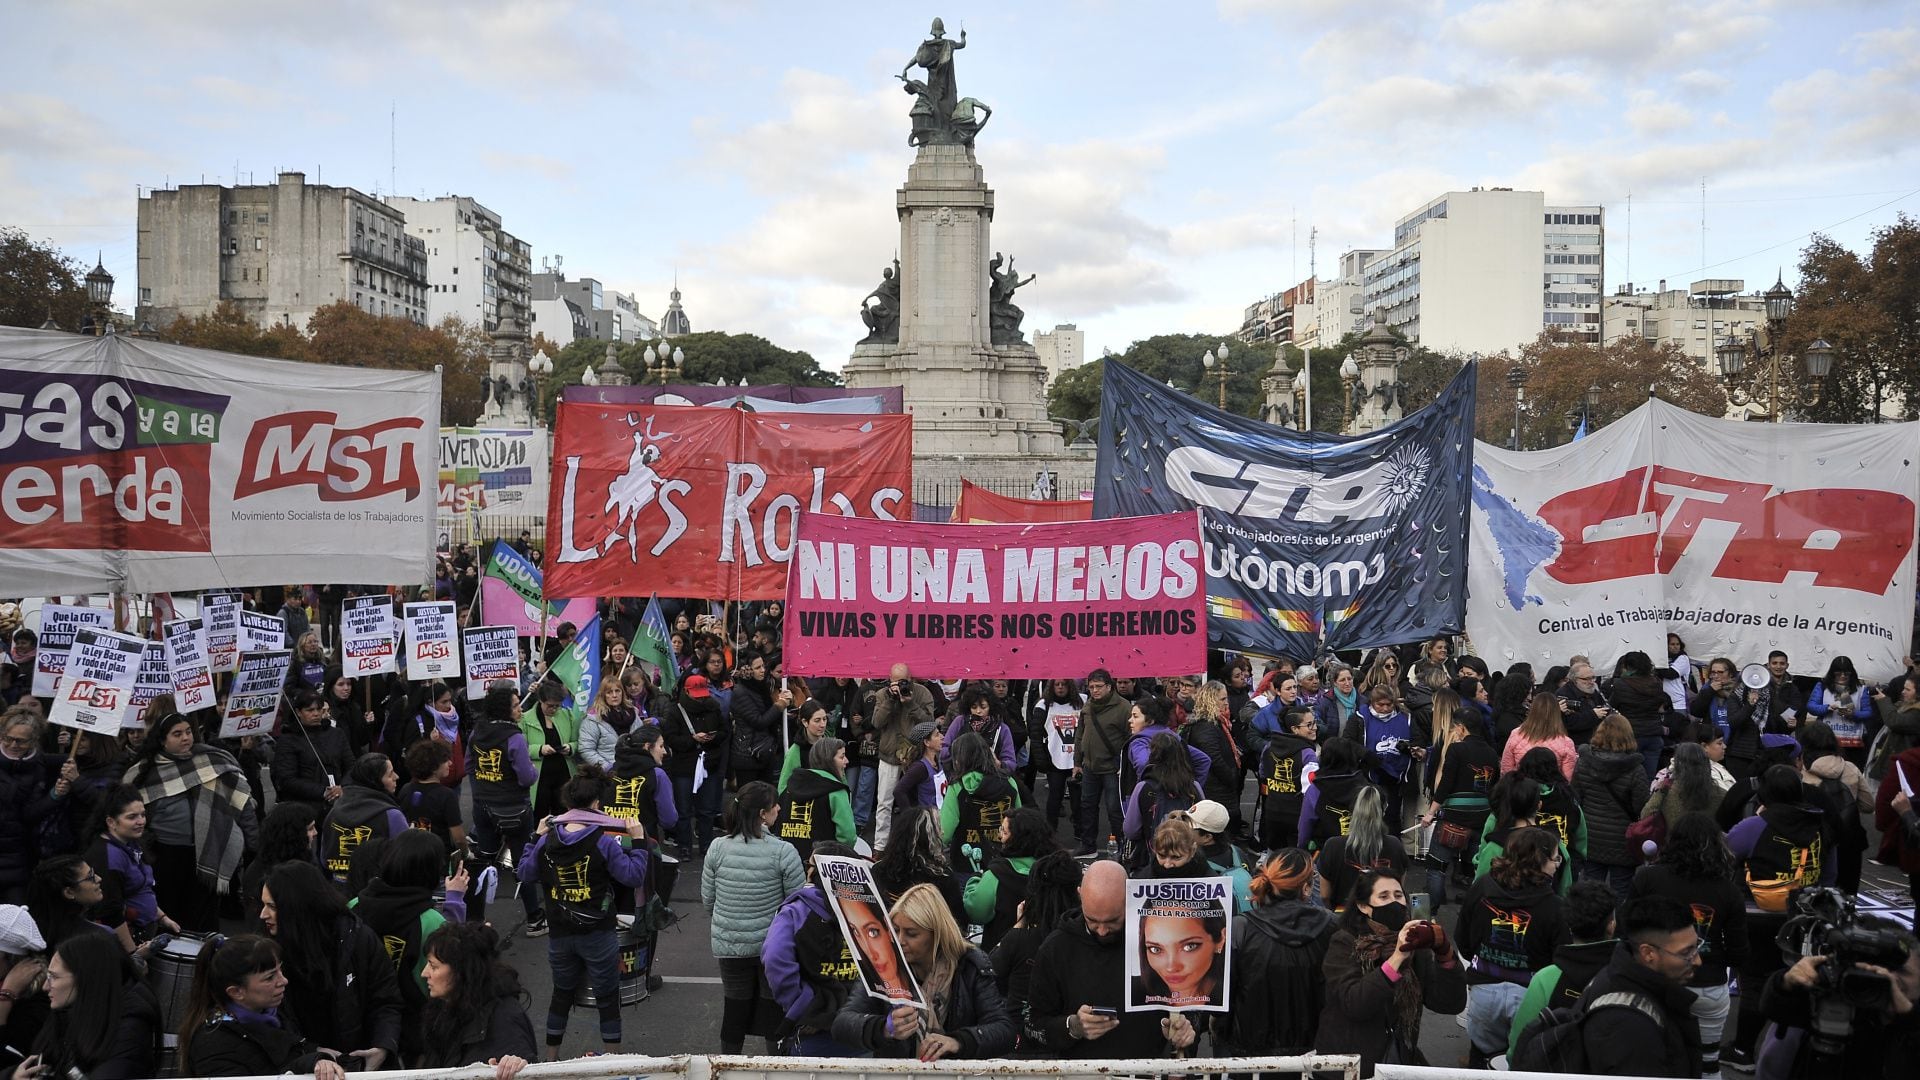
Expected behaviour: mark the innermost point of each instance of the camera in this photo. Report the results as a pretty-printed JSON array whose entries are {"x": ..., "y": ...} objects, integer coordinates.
[{"x": 1827, "y": 925}]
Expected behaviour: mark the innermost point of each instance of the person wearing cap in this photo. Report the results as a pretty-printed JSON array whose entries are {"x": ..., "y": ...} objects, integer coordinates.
[
  {"x": 920, "y": 782},
  {"x": 695, "y": 727},
  {"x": 1212, "y": 821},
  {"x": 23, "y": 1012}
]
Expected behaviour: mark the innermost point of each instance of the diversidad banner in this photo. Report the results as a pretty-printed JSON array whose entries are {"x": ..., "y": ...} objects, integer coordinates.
[
  {"x": 134, "y": 466},
  {"x": 1312, "y": 540},
  {"x": 708, "y": 499},
  {"x": 493, "y": 471},
  {"x": 1741, "y": 538},
  {"x": 996, "y": 601}
]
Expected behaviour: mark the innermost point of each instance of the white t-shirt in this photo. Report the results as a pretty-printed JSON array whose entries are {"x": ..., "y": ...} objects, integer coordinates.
[{"x": 1063, "y": 727}]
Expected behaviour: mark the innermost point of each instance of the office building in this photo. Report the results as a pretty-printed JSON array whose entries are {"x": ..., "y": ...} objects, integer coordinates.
[
  {"x": 1693, "y": 318},
  {"x": 1061, "y": 349},
  {"x": 476, "y": 270}
]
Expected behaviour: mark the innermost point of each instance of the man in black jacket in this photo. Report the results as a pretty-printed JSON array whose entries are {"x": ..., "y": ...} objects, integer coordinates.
[
  {"x": 1641, "y": 1020},
  {"x": 1076, "y": 1004},
  {"x": 310, "y": 764}
]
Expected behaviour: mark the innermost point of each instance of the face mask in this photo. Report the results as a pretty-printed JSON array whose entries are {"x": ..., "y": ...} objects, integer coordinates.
[{"x": 1391, "y": 916}]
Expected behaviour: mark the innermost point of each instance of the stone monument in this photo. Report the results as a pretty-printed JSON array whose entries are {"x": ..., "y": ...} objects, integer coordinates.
[
  {"x": 942, "y": 324},
  {"x": 508, "y": 386}
]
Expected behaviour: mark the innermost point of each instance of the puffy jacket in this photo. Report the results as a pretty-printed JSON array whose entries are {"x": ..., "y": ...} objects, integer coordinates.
[
  {"x": 357, "y": 1006},
  {"x": 1103, "y": 735},
  {"x": 1612, "y": 785},
  {"x": 599, "y": 735},
  {"x": 742, "y": 884},
  {"x": 1645, "y": 704},
  {"x": 756, "y": 727},
  {"x": 304, "y": 759},
  {"x": 976, "y": 1016},
  {"x": 228, "y": 1047}
]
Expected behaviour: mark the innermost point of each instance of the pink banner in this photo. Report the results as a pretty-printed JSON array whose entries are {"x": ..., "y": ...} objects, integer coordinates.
[
  {"x": 996, "y": 601},
  {"x": 501, "y": 606}
]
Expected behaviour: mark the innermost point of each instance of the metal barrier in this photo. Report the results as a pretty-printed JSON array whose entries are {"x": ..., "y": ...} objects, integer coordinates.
[
  {"x": 1435, "y": 1072},
  {"x": 703, "y": 1067}
]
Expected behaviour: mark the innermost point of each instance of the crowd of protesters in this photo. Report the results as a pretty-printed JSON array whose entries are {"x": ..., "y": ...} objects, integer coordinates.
[{"x": 1407, "y": 832}]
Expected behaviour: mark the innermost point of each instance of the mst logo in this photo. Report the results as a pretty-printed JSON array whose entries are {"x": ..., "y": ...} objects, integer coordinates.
[
  {"x": 1647, "y": 520},
  {"x": 300, "y": 448}
]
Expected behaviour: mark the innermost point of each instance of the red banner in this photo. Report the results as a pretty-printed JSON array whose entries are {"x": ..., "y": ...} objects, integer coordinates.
[
  {"x": 702, "y": 502},
  {"x": 978, "y": 506}
]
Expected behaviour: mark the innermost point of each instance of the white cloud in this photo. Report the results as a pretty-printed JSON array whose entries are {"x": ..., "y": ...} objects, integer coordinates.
[
  {"x": 549, "y": 168},
  {"x": 1652, "y": 117},
  {"x": 1700, "y": 83},
  {"x": 1624, "y": 35}
]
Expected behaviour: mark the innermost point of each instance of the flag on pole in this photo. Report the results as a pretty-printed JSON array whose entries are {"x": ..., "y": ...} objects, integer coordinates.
[
  {"x": 653, "y": 646},
  {"x": 578, "y": 666},
  {"x": 1581, "y": 432},
  {"x": 518, "y": 573}
]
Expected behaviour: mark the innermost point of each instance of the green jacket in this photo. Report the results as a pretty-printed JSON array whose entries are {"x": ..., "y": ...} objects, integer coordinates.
[
  {"x": 567, "y": 723},
  {"x": 983, "y": 892},
  {"x": 950, "y": 806},
  {"x": 742, "y": 883},
  {"x": 1103, "y": 735}
]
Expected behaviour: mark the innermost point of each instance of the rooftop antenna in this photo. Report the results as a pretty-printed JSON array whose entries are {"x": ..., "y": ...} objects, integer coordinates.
[
  {"x": 1313, "y": 263},
  {"x": 1629, "y": 239},
  {"x": 393, "y": 143}
]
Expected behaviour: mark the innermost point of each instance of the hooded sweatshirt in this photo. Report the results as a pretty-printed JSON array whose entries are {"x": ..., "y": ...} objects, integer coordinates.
[
  {"x": 993, "y": 899},
  {"x": 404, "y": 919},
  {"x": 809, "y": 966},
  {"x": 360, "y": 814},
  {"x": 575, "y": 837},
  {"x": 1560, "y": 984},
  {"x": 972, "y": 813},
  {"x": 815, "y": 808},
  {"x": 1508, "y": 934},
  {"x": 1278, "y": 989}
]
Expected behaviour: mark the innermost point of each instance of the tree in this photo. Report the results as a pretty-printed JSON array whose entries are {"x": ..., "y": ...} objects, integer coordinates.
[
  {"x": 37, "y": 282},
  {"x": 1868, "y": 309},
  {"x": 1560, "y": 372},
  {"x": 1178, "y": 358},
  {"x": 228, "y": 329},
  {"x": 711, "y": 356}
]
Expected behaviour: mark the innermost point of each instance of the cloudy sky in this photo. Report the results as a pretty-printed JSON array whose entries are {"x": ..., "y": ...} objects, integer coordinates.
[{"x": 1154, "y": 163}]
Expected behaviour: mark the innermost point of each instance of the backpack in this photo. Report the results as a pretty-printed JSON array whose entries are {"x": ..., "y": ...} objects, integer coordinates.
[
  {"x": 1554, "y": 1041},
  {"x": 1155, "y": 805},
  {"x": 1848, "y": 831}
]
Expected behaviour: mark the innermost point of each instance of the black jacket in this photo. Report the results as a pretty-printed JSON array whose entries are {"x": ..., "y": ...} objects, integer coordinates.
[
  {"x": 1074, "y": 968},
  {"x": 232, "y": 1048},
  {"x": 26, "y": 798},
  {"x": 1645, "y": 704},
  {"x": 504, "y": 1031},
  {"x": 1278, "y": 987},
  {"x": 976, "y": 1016},
  {"x": 130, "y": 1048},
  {"x": 1743, "y": 735},
  {"x": 1508, "y": 934},
  {"x": 1580, "y": 717},
  {"x": 357, "y": 1007},
  {"x": 683, "y": 749},
  {"x": 1612, "y": 785},
  {"x": 1627, "y": 1042},
  {"x": 1223, "y": 779},
  {"x": 304, "y": 758},
  {"x": 1881, "y": 1048},
  {"x": 1719, "y": 914},
  {"x": 756, "y": 727}
]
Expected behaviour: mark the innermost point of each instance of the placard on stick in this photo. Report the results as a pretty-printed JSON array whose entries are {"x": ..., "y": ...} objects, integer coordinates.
[
  {"x": 492, "y": 653},
  {"x": 97, "y": 682},
  {"x": 253, "y": 700},
  {"x": 433, "y": 650},
  {"x": 185, "y": 641},
  {"x": 1178, "y": 931},
  {"x": 366, "y": 636}
]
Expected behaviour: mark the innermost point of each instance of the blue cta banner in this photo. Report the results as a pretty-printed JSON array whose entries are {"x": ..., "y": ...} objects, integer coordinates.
[{"x": 1313, "y": 541}]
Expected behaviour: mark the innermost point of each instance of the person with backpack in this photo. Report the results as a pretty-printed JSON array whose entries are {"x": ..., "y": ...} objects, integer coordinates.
[
  {"x": 1278, "y": 949},
  {"x": 577, "y": 858},
  {"x": 810, "y": 969},
  {"x": 364, "y": 812},
  {"x": 1147, "y": 720},
  {"x": 1695, "y": 867},
  {"x": 503, "y": 772},
  {"x": 1588, "y": 912},
  {"x": 399, "y": 906},
  {"x": 1288, "y": 757},
  {"x": 1635, "y": 1018},
  {"x": 1327, "y": 809},
  {"x": 1787, "y": 845},
  {"x": 638, "y": 788},
  {"x": 1168, "y": 783},
  {"x": 1560, "y": 807},
  {"x": 1848, "y": 796},
  {"x": 1224, "y": 857},
  {"x": 815, "y": 805},
  {"x": 1509, "y": 925},
  {"x": 978, "y": 802}
]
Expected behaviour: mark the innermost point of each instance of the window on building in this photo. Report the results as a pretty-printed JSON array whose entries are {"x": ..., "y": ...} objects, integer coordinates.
[
  {"x": 233, "y": 245},
  {"x": 259, "y": 243},
  {"x": 233, "y": 217},
  {"x": 146, "y": 296},
  {"x": 259, "y": 219}
]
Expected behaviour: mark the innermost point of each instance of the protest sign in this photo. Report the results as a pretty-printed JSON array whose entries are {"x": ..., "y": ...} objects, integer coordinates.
[
  {"x": 1177, "y": 935},
  {"x": 996, "y": 601},
  {"x": 59, "y": 625},
  {"x": 864, "y": 922},
  {"x": 97, "y": 681},
  {"x": 432, "y": 650},
  {"x": 709, "y": 498},
  {"x": 260, "y": 632},
  {"x": 143, "y": 467},
  {"x": 366, "y": 636},
  {"x": 1741, "y": 538},
  {"x": 492, "y": 653},
  {"x": 493, "y": 471},
  {"x": 185, "y": 641},
  {"x": 221, "y": 612},
  {"x": 1313, "y": 541},
  {"x": 151, "y": 680},
  {"x": 253, "y": 701}
]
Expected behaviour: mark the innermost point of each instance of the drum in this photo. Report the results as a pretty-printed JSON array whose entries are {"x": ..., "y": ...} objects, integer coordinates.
[
  {"x": 170, "y": 963},
  {"x": 635, "y": 954}
]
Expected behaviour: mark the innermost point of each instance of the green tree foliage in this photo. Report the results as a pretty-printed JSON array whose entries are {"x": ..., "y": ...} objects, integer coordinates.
[
  {"x": 711, "y": 356},
  {"x": 1178, "y": 358},
  {"x": 37, "y": 281},
  {"x": 1868, "y": 309},
  {"x": 1560, "y": 372}
]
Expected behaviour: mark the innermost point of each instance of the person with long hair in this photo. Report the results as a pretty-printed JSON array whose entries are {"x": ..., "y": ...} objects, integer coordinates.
[
  {"x": 552, "y": 732},
  {"x": 815, "y": 805},
  {"x": 1848, "y": 707},
  {"x": 1339, "y": 701},
  {"x": 1383, "y": 671},
  {"x": 1328, "y": 805},
  {"x": 809, "y": 966},
  {"x": 993, "y": 898},
  {"x": 1684, "y": 787},
  {"x": 1052, "y": 892},
  {"x": 1516, "y": 806},
  {"x": 1278, "y": 949},
  {"x": 364, "y": 812},
  {"x": 128, "y": 905},
  {"x": 1544, "y": 726},
  {"x": 350, "y": 712},
  {"x": 611, "y": 716},
  {"x": 757, "y": 710},
  {"x": 747, "y": 874},
  {"x": 400, "y": 906},
  {"x": 1167, "y": 783},
  {"x": 1508, "y": 926},
  {"x": 501, "y": 764},
  {"x": 289, "y": 834},
  {"x": 476, "y": 1012},
  {"x": 1288, "y": 758},
  {"x": 1460, "y": 780},
  {"x": 1383, "y": 972},
  {"x": 104, "y": 1023},
  {"x": 343, "y": 991},
  {"x": 1847, "y": 793},
  {"x": 638, "y": 787},
  {"x": 968, "y": 1018},
  {"x": 577, "y": 861},
  {"x": 311, "y": 756},
  {"x": 916, "y": 854},
  {"x": 1898, "y": 708},
  {"x": 1696, "y": 868},
  {"x": 233, "y": 1024},
  {"x": 916, "y": 786},
  {"x": 1209, "y": 729},
  {"x": 59, "y": 896},
  {"x": 1560, "y": 808},
  {"x": 979, "y": 799},
  {"x": 200, "y": 819},
  {"x": 978, "y": 712},
  {"x": 1369, "y": 844},
  {"x": 1055, "y": 724},
  {"x": 1511, "y": 702},
  {"x": 1611, "y": 780}
]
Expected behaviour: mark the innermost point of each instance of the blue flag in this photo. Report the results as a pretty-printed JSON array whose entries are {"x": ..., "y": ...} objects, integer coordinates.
[
  {"x": 578, "y": 666},
  {"x": 653, "y": 646},
  {"x": 1312, "y": 540}
]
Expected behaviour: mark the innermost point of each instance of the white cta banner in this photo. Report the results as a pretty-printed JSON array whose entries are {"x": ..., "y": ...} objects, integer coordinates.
[{"x": 1739, "y": 537}]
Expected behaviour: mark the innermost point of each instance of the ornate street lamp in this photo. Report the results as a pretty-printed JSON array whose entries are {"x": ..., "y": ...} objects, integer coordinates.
[
  {"x": 1517, "y": 378},
  {"x": 1209, "y": 363},
  {"x": 1764, "y": 387},
  {"x": 1581, "y": 416},
  {"x": 99, "y": 300}
]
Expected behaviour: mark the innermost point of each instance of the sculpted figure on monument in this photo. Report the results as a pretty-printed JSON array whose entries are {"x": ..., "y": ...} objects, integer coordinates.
[
  {"x": 880, "y": 310},
  {"x": 936, "y": 98},
  {"x": 1006, "y": 315}
]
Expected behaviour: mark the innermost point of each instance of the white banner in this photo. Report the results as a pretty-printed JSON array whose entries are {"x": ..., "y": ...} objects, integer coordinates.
[
  {"x": 98, "y": 681},
  {"x": 253, "y": 701},
  {"x": 150, "y": 681},
  {"x": 137, "y": 466},
  {"x": 260, "y": 632},
  {"x": 492, "y": 653},
  {"x": 432, "y": 649},
  {"x": 493, "y": 471},
  {"x": 221, "y": 610},
  {"x": 59, "y": 624},
  {"x": 1739, "y": 537},
  {"x": 186, "y": 644},
  {"x": 366, "y": 636}
]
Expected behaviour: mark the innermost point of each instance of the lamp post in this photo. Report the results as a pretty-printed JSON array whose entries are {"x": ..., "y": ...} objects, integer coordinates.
[
  {"x": 1517, "y": 378},
  {"x": 1210, "y": 364},
  {"x": 539, "y": 367},
  {"x": 589, "y": 377},
  {"x": 99, "y": 300},
  {"x": 662, "y": 364},
  {"x": 1764, "y": 386},
  {"x": 1582, "y": 416},
  {"x": 1303, "y": 397},
  {"x": 1350, "y": 378}
]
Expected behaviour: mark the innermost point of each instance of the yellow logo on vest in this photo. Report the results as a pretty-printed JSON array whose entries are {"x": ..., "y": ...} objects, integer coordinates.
[
  {"x": 797, "y": 822},
  {"x": 396, "y": 949},
  {"x": 626, "y": 798},
  {"x": 345, "y": 843},
  {"x": 490, "y": 765},
  {"x": 570, "y": 881},
  {"x": 1282, "y": 781},
  {"x": 841, "y": 968}
]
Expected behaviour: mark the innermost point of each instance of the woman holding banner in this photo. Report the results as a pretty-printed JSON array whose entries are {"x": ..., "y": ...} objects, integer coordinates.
[
  {"x": 1183, "y": 954},
  {"x": 966, "y": 1017},
  {"x": 200, "y": 818}
]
